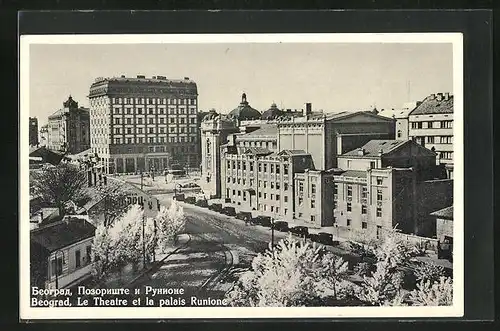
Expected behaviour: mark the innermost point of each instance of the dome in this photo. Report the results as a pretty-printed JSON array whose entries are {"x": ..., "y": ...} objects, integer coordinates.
[
  {"x": 212, "y": 113},
  {"x": 70, "y": 103},
  {"x": 272, "y": 112},
  {"x": 244, "y": 111}
]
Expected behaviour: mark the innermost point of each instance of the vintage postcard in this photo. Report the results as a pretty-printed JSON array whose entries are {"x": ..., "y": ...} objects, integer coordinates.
[{"x": 241, "y": 176}]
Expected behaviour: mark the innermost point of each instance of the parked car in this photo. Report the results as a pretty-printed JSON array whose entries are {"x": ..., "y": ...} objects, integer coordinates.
[
  {"x": 280, "y": 226},
  {"x": 301, "y": 231},
  {"x": 244, "y": 216},
  {"x": 229, "y": 211},
  {"x": 325, "y": 238},
  {"x": 201, "y": 203},
  {"x": 179, "y": 197},
  {"x": 215, "y": 207},
  {"x": 262, "y": 220},
  {"x": 191, "y": 200}
]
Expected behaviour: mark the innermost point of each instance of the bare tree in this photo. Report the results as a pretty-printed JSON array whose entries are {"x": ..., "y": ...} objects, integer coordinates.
[
  {"x": 112, "y": 204},
  {"x": 59, "y": 185}
]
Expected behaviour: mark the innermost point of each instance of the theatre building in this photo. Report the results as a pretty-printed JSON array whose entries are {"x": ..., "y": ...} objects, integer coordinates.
[{"x": 144, "y": 124}]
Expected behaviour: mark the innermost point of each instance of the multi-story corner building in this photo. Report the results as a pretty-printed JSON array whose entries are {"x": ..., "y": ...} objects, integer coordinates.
[
  {"x": 431, "y": 125},
  {"x": 69, "y": 128},
  {"x": 144, "y": 124},
  {"x": 33, "y": 131},
  {"x": 384, "y": 184}
]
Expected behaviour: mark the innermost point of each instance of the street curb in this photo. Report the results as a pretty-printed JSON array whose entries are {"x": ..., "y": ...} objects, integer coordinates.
[{"x": 157, "y": 263}]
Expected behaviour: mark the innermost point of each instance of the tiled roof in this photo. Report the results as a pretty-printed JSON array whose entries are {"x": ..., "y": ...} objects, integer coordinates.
[
  {"x": 354, "y": 173},
  {"x": 293, "y": 152},
  {"x": 47, "y": 155},
  {"x": 257, "y": 151},
  {"x": 446, "y": 213},
  {"x": 372, "y": 148},
  {"x": 431, "y": 105},
  {"x": 265, "y": 130},
  {"x": 62, "y": 234}
]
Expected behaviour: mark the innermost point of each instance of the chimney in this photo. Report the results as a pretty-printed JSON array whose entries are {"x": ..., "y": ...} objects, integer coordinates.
[
  {"x": 308, "y": 108},
  {"x": 186, "y": 78},
  {"x": 361, "y": 152},
  {"x": 447, "y": 96},
  {"x": 433, "y": 96},
  {"x": 122, "y": 76},
  {"x": 439, "y": 96},
  {"x": 380, "y": 152}
]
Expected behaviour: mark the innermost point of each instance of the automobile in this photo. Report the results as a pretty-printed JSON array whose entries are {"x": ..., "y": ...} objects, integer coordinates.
[
  {"x": 301, "y": 231},
  {"x": 314, "y": 237},
  {"x": 192, "y": 185},
  {"x": 215, "y": 207},
  {"x": 179, "y": 197},
  {"x": 201, "y": 203},
  {"x": 262, "y": 220},
  {"x": 191, "y": 200},
  {"x": 244, "y": 216},
  {"x": 229, "y": 211},
  {"x": 325, "y": 238},
  {"x": 280, "y": 226}
]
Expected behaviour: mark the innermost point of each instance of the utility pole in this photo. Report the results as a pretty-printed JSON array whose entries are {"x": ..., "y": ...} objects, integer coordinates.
[
  {"x": 143, "y": 241},
  {"x": 142, "y": 176}
]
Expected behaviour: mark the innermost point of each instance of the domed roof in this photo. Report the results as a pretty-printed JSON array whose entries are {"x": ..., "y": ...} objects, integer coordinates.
[
  {"x": 244, "y": 111},
  {"x": 70, "y": 103},
  {"x": 272, "y": 112},
  {"x": 212, "y": 113}
]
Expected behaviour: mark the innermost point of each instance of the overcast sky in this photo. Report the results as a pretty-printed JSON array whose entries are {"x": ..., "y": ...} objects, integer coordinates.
[{"x": 333, "y": 76}]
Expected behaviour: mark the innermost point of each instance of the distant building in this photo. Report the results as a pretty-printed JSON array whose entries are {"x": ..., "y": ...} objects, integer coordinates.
[
  {"x": 444, "y": 230},
  {"x": 144, "y": 124},
  {"x": 60, "y": 253},
  {"x": 431, "y": 125},
  {"x": 387, "y": 183},
  {"x": 401, "y": 116},
  {"x": 33, "y": 131},
  {"x": 69, "y": 128}
]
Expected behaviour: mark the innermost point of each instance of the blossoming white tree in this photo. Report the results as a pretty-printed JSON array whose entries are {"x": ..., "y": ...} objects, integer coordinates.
[
  {"x": 169, "y": 222},
  {"x": 384, "y": 286},
  {"x": 294, "y": 274}
]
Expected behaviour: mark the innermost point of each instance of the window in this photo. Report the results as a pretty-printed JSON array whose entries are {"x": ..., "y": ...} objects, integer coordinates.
[
  {"x": 139, "y": 121},
  {"x": 364, "y": 225},
  {"x": 77, "y": 259},
  {"x": 349, "y": 190},
  {"x": 139, "y": 111},
  {"x": 285, "y": 169},
  {"x": 265, "y": 184},
  {"x": 285, "y": 198},
  {"x": 162, "y": 130},
  {"x": 429, "y": 125},
  {"x": 334, "y": 204},
  {"x": 349, "y": 207},
  {"x": 251, "y": 166},
  {"x": 446, "y": 140},
  {"x": 313, "y": 189},
  {"x": 139, "y": 130},
  {"x": 57, "y": 265},
  {"x": 265, "y": 195},
  {"x": 277, "y": 185},
  {"x": 150, "y": 121},
  {"x": 373, "y": 164},
  {"x": 151, "y": 130},
  {"x": 430, "y": 140},
  {"x": 447, "y": 155},
  {"x": 286, "y": 211},
  {"x": 363, "y": 209},
  {"x": 129, "y": 130},
  {"x": 399, "y": 134},
  {"x": 300, "y": 214},
  {"x": 117, "y": 121},
  {"x": 277, "y": 197},
  {"x": 272, "y": 185},
  {"x": 301, "y": 188},
  {"x": 89, "y": 253},
  {"x": 446, "y": 124},
  {"x": 313, "y": 218},
  {"x": 162, "y": 120},
  {"x": 349, "y": 222},
  {"x": 260, "y": 167},
  {"x": 379, "y": 180},
  {"x": 129, "y": 140},
  {"x": 234, "y": 192},
  {"x": 285, "y": 187},
  {"x": 150, "y": 111},
  {"x": 272, "y": 208},
  {"x": 335, "y": 188},
  {"x": 272, "y": 168},
  {"x": 364, "y": 192},
  {"x": 265, "y": 167},
  {"x": 260, "y": 194},
  {"x": 313, "y": 204},
  {"x": 379, "y": 212},
  {"x": 239, "y": 193},
  {"x": 416, "y": 125},
  {"x": 228, "y": 164},
  {"x": 117, "y": 130},
  {"x": 277, "y": 169},
  {"x": 379, "y": 195}
]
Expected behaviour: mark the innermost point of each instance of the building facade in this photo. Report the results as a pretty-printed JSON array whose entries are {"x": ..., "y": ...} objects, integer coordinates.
[
  {"x": 33, "y": 131},
  {"x": 144, "y": 124},
  {"x": 431, "y": 125},
  {"x": 386, "y": 184},
  {"x": 69, "y": 128},
  {"x": 60, "y": 253}
]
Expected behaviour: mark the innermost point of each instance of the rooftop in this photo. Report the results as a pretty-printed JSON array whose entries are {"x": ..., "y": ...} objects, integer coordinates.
[
  {"x": 435, "y": 104},
  {"x": 244, "y": 111},
  {"x": 62, "y": 234},
  {"x": 264, "y": 130},
  {"x": 257, "y": 151},
  {"x": 446, "y": 213},
  {"x": 353, "y": 173},
  {"x": 374, "y": 147}
]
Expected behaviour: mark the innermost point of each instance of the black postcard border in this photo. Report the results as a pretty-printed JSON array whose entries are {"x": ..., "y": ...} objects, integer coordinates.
[{"x": 476, "y": 26}]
